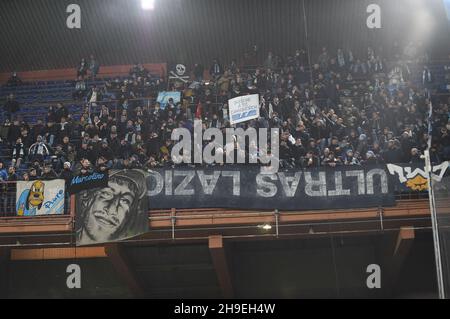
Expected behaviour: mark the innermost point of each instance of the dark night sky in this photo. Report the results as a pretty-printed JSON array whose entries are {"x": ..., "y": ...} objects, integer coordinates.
[{"x": 34, "y": 35}]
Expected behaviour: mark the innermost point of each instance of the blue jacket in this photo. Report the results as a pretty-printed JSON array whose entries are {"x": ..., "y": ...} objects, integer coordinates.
[{"x": 3, "y": 174}]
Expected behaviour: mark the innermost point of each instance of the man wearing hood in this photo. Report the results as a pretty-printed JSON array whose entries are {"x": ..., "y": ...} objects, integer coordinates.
[{"x": 66, "y": 174}]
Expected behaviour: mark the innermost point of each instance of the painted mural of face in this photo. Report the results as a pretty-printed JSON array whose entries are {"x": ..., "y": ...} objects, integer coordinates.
[
  {"x": 109, "y": 211},
  {"x": 113, "y": 213}
]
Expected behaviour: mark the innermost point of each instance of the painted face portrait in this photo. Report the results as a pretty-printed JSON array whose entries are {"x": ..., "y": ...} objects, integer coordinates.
[
  {"x": 109, "y": 211},
  {"x": 113, "y": 213}
]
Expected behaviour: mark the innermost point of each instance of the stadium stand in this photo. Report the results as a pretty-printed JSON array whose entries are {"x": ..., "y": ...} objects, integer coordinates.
[
  {"x": 358, "y": 94},
  {"x": 341, "y": 111}
]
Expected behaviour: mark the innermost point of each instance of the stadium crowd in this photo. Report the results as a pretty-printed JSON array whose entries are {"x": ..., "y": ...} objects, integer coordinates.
[{"x": 338, "y": 109}]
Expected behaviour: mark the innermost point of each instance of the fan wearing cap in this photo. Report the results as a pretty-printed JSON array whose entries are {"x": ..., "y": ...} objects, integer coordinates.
[
  {"x": 116, "y": 212},
  {"x": 66, "y": 174}
]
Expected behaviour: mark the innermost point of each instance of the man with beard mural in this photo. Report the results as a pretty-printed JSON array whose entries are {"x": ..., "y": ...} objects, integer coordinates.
[{"x": 113, "y": 213}]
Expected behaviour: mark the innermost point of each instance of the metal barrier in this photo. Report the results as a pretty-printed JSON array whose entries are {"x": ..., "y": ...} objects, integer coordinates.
[{"x": 7, "y": 199}]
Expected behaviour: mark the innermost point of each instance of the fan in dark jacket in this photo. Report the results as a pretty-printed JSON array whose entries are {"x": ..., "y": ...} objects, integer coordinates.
[
  {"x": 393, "y": 154},
  {"x": 14, "y": 80},
  {"x": 102, "y": 166},
  {"x": 11, "y": 106},
  {"x": 94, "y": 95},
  {"x": 84, "y": 169},
  {"x": 61, "y": 111},
  {"x": 18, "y": 153},
  {"x": 371, "y": 159},
  {"x": 216, "y": 69},
  {"x": 48, "y": 174},
  {"x": 416, "y": 157},
  {"x": 11, "y": 189},
  {"x": 310, "y": 160},
  {"x": 82, "y": 68},
  {"x": 66, "y": 174},
  {"x": 105, "y": 151}
]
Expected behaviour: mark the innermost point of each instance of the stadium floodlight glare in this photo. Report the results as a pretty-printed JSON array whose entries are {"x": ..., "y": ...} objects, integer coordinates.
[{"x": 148, "y": 4}]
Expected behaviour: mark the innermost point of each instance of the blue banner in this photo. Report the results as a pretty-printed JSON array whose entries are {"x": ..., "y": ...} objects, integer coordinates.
[{"x": 163, "y": 98}]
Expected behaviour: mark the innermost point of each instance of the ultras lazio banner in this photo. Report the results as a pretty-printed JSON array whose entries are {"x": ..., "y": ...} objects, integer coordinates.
[{"x": 245, "y": 187}]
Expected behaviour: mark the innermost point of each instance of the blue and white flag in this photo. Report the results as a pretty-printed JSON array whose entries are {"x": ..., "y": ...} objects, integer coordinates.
[
  {"x": 163, "y": 98},
  {"x": 40, "y": 198}
]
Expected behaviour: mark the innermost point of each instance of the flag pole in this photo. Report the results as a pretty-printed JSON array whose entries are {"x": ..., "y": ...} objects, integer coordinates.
[{"x": 434, "y": 221}]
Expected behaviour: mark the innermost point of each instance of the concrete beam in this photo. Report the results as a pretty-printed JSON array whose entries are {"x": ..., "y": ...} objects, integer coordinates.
[
  {"x": 4, "y": 272},
  {"x": 121, "y": 264},
  {"x": 221, "y": 265}
]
